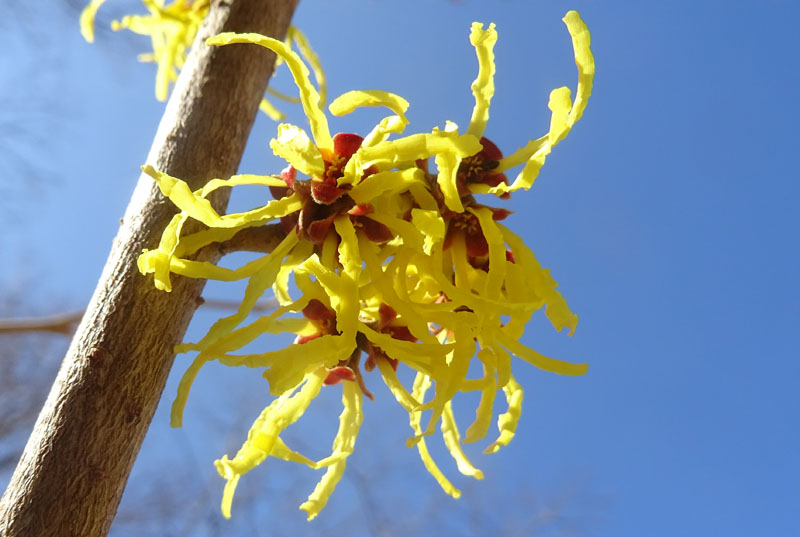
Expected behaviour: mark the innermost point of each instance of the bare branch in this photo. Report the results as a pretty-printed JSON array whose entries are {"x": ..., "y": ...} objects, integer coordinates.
[
  {"x": 65, "y": 323},
  {"x": 61, "y": 323}
]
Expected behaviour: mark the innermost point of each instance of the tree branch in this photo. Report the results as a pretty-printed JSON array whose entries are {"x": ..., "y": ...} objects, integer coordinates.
[
  {"x": 64, "y": 323},
  {"x": 74, "y": 468},
  {"x": 60, "y": 323}
]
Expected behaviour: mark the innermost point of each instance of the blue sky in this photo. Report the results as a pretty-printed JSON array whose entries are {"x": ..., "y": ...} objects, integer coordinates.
[{"x": 668, "y": 216}]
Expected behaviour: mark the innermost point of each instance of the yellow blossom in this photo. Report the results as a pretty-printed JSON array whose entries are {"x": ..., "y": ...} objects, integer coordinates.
[
  {"x": 388, "y": 260},
  {"x": 172, "y": 28}
]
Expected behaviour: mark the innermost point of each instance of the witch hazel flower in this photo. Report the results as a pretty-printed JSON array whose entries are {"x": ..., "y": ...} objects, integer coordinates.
[
  {"x": 172, "y": 28},
  {"x": 385, "y": 264}
]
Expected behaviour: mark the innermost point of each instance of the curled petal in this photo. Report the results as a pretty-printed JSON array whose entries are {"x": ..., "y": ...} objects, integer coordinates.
[
  {"x": 281, "y": 451},
  {"x": 421, "y": 385},
  {"x": 565, "y": 114},
  {"x": 263, "y": 435},
  {"x": 87, "y": 19},
  {"x": 431, "y": 224},
  {"x": 294, "y": 34},
  {"x": 539, "y": 360},
  {"x": 295, "y": 147},
  {"x": 309, "y": 96},
  {"x": 418, "y": 355},
  {"x": 200, "y": 208},
  {"x": 388, "y": 182},
  {"x": 349, "y": 424},
  {"x": 288, "y": 366},
  {"x": 452, "y": 440},
  {"x": 497, "y": 252},
  {"x": 270, "y": 110},
  {"x": 381, "y": 131},
  {"x": 347, "y": 102},
  {"x": 484, "y": 414},
  {"x": 419, "y": 146},
  {"x": 507, "y": 422},
  {"x": 447, "y": 165},
  {"x": 450, "y": 375},
  {"x": 542, "y": 282},
  {"x": 483, "y": 86},
  {"x": 389, "y": 376}
]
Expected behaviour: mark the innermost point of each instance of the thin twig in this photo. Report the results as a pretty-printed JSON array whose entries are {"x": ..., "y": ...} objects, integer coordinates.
[
  {"x": 60, "y": 323},
  {"x": 65, "y": 323}
]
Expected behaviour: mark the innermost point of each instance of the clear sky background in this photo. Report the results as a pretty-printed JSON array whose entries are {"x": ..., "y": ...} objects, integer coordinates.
[{"x": 668, "y": 216}]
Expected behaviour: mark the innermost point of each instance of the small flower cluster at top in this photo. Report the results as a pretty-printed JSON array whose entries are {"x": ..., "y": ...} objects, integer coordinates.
[
  {"x": 172, "y": 29},
  {"x": 390, "y": 261}
]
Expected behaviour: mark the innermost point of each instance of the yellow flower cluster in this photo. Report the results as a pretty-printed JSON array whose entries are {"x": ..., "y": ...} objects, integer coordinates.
[
  {"x": 381, "y": 258},
  {"x": 172, "y": 28}
]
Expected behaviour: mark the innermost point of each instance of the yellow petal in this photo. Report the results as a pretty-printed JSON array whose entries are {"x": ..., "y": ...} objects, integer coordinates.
[
  {"x": 507, "y": 422},
  {"x": 200, "y": 208},
  {"x": 431, "y": 224},
  {"x": 521, "y": 155},
  {"x": 453, "y": 442},
  {"x": 87, "y": 19},
  {"x": 349, "y": 424},
  {"x": 269, "y": 109},
  {"x": 449, "y": 377},
  {"x": 389, "y": 376},
  {"x": 384, "y": 283},
  {"x": 447, "y": 166},
  {"x": 421, "y": 385},
  {"x": 424, "y": 198},
  {"x": 281, "y": 451},
  {"x": 381, "y": 131},
  {"x": 294, "y": 146},
  {"x": 238, "y": 338},
  {"x": 497, "y": 252},
  {"x": 539, "y": 360},
  {"x": 348, "y": 248},
  {"x": 389, "y": 182},
  {"x": 484, "y": 414},
  {"x": 265, "y": 270},
  {"x": 416, "y": 355},
  {"x": 172, "y": 30},
  {"x": 281, "y": 286},
  {"x": 330, "y": 253},
  {"x": 240, "y": 179},
  {"x": 294, "y": 34},
  {"x": 290, "y": 364},
  {"x": 483, "y": 86},
  {"x": 420, "y": 146},
  {"x": 584, "y": 59},
  {"x": 565, "y": 113},
  {"x": 346, "y": 300},
  {"x": 404, "y": 229},
  {"x": 300, "y": 358},
  {"x": 503, "y": 365},
  {"x": 308, "y": 94},
  {"x": 159, "y": 261},
  {"x": 543, "y": 283},
  {"x": 284, "y": 97},
  {"x": 347, "y": 102},
  {"x": 264, "y": 433}
]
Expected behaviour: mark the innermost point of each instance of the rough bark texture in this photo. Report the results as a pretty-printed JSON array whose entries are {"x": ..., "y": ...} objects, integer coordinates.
[{"x": 74, "y": 468}]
